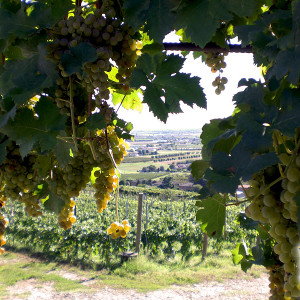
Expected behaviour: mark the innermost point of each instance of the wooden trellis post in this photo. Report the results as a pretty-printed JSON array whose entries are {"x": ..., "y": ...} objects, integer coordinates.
[{"x": 139, "y": 223}]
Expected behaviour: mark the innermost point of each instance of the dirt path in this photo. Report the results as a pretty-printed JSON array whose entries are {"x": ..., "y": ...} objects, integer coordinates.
[
  {"x": 253, "y": 289},
  {"x": 233, "y": 289}
]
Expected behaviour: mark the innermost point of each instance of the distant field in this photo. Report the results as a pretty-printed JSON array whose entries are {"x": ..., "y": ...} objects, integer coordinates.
[
  {"x": 135, "y": 167},
  {"x": 137, "y": 159},
  {"x": 143, "y": 176}
]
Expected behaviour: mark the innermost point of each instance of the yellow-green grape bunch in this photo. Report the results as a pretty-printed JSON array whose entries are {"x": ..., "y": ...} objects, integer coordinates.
[
  {"x": 276, "y": 279},
  {"x": 219, "y": 83},
  {"x": 73, "y": 177},
  {"x": 275, "y": 205},
  {"x": 106, "y": 182},
  {"x": 216, "y": 61},
  {"x": 113, "y": 42},
  {"x": 21, "y": 179},
  {"x": 2, "y": 201},
  {"x": 3, "y": 225},
  {"x": 109, "y": 153},
  {"x": 117, "y": 229},
  {"x": 67, "y": 217}
]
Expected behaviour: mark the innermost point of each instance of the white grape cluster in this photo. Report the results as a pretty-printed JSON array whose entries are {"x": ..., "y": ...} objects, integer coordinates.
[
  {"x": 106, "y": 178},
  {"x": 216, "y": 61},
  {"x": 20, "y": 179},
  {"x": 275, "y": 205},
  {"x": 115, "y": 46}
]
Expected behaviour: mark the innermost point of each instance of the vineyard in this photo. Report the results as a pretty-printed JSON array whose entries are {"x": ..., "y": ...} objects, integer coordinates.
[
  {"x": 68, "y": 66},
  {"x": 164, "y": 229}
]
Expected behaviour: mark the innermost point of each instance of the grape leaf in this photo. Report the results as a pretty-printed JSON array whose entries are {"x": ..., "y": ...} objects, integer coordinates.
[
  {"x": 287, "y": 63},
  {"x": 236, "y": 256},
  {"x": 203, "y": 19},
  {"x": 160, "y": 19},
  {"x": 59, "y": 8},
  {"x": 26, "y": 78},
  {"x": 25, "y": 20},
  {"x": 27, "y": 130},
  {"x": 168, "y": 87},
  {"x": 3, "y": 44},
  {"x": 157, "y": 14},
  {"x": 3, "y": 151},
  {"x": 129, "y": 100},
  {"x": 135, "y": 12},
  {"x": 54, "y": 203},
  {"x": 211, "y": 214},
  {"x": 95, "y": 121},
  {"x": 79, "y": 55},
  {"x": 198, "y": 167},
  {"x": 9, "y": 115},
  {"x": 43, "y": 165},
  {"x": 242, "y": 8},
  {"x": 62, "y": 150}
]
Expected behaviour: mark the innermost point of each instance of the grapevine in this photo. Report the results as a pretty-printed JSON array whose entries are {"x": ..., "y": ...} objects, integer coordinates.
[{"x": 65, "y": 65}]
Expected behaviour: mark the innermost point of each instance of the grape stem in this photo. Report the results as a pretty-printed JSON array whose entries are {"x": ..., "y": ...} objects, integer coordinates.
[
  {"x": 244, "y": 190},
  {"x": 263, "y": 227},
  {"x": 89, "y": 132},
  {"x": 72, "y": 113},
  {"x": 121, "y": 102},
  {"x": 117, "y": 196},
  {"x": 255, "y": 197}
]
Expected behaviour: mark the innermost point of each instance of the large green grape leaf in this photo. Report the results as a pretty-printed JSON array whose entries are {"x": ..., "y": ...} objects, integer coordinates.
[
  {"x": 23, "y": 79},
  {"x": 62, "y": 149},
  {"x": 287, "y": 63},
  {"x": 52, "y": 202},
  {"x": 27, "y": 130},
  {"x": 201, "y": 19},
  {"x": 168, "y": 87},
  {"x": 211, "y": 214},
  {"x": 96, "y": 121},
  {"x": 198, "y": 167},
  {"x": 25, "y": 20},
  {"x": 157, "y": 14},
  {"x": 229, "y": 169}
]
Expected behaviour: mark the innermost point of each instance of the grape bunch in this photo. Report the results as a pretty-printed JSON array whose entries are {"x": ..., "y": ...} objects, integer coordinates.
[
  {"x": 20, "y": 179},
  {"x": 216, "y": 62},
  {"x": 3, "y": 225},
  {"x": 117, "y": 230},
  {"x": 111, "y": 154},
  {"x": 115, "y": 46},
  {"x": 274, "y": 204},
  {"x": 2, "y": 201},
  {"x": 276, "y": 279}
]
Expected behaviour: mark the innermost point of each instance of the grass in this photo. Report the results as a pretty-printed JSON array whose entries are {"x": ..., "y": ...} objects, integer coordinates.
[
  {"x": 14, "y": 269},
  {"x": 142, "y": 274}
]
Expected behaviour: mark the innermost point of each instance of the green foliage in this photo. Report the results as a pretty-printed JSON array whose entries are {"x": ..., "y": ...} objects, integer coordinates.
[
  {"x": 168, "y": 83},
  {"x": 27, "y": 130},
  {"x": 211, "y": 215}
]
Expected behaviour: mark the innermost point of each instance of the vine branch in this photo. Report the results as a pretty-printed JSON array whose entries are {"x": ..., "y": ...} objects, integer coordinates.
[{"x": 210, "y": 47}]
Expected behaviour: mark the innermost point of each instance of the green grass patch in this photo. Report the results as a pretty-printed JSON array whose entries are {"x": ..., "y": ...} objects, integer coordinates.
[
  {"x": 145, "y": 273},
  {"x": 11, "y": 273}
]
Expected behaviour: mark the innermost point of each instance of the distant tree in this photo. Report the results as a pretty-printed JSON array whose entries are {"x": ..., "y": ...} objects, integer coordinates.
[{"x": 167, "y": 183}]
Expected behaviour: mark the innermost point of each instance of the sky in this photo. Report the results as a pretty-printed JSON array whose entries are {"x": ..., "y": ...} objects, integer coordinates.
[{"x": 239, "y": 65}]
